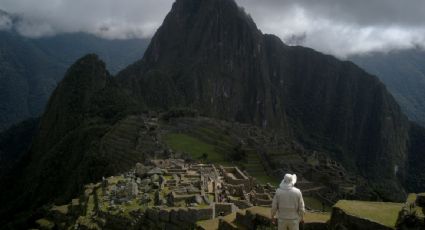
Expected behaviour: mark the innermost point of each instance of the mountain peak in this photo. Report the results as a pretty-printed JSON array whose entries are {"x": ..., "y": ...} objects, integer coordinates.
[
  {"x": 210, "y": 55},
  {"x": 201, "y": 26},
  {"x": 72, "y": 98}
]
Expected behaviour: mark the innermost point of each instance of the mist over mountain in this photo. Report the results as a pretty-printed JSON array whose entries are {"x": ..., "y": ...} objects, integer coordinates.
[
  {"x": 31, "y": 68},
  {"x": 403, "y": 72}
]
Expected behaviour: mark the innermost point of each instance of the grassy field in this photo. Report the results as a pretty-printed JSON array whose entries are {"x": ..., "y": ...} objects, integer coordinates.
[
  {"x": 315, "y": 204},
  {"x": 381, "y": 212},
  {"x": 308, "y": 218},
  {"x": 194, "y": 147}
]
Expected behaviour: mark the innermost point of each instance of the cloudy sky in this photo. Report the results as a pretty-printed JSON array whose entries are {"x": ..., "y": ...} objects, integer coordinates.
[{"x": 339, "y": 27}]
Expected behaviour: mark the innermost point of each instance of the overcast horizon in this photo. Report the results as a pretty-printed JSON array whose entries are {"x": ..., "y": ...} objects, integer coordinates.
[{"x": 335, "y": 27}]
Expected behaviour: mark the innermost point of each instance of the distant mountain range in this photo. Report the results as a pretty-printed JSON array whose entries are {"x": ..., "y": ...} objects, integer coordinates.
[
  {"x": 31, "y": 68},
  {"x": 403, "y": 72}
]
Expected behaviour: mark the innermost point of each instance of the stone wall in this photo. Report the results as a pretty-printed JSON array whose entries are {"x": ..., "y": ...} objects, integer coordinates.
[
  {"x": 234, "y": 176},
  {"x": 176, "y": 218},
  {"x": 241, "y": 204},
  {"x": 224, "y": 208}
]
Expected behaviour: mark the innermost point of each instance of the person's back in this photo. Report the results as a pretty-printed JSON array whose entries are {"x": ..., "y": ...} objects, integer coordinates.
[{"x": 288, "y": 203}]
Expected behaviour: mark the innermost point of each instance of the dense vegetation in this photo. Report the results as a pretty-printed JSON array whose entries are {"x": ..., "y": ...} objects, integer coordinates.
[{"x": 65, "y": 153}]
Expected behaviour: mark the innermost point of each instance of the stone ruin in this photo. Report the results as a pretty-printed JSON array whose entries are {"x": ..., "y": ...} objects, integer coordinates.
[
  {"x": 174, "y": 194},
  {"x": 167, "y": 193}
]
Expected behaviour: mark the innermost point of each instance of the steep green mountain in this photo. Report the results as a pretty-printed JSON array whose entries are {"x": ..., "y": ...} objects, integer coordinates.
[
  {"x": 210, "y": 55},
  {"x": 31, "y": 68},
  {"x": 65, "y": 153},
  {"x": 403, "y": 72}
]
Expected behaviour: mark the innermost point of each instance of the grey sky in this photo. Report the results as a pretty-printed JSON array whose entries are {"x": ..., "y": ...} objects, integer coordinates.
[{"x": 339, "y": 27}]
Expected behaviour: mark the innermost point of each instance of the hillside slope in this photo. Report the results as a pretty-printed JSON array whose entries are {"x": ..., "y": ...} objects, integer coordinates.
[{"x": 65, "y": 153}]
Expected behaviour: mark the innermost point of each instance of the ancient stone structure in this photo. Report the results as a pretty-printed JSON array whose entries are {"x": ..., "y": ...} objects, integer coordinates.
[
  {"x": 162, "y": 194},
  {"x": 174, "y": 194}
]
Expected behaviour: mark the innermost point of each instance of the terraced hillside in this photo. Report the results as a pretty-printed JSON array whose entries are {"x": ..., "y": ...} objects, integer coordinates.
[
  {"x": 122, "y": 143},
  {"x": 265, "y": 156},
  {"x": 222, "y": 142}
]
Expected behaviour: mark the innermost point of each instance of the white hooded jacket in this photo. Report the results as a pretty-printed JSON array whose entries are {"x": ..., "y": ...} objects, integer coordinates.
[{"x": 288, "y": 201}]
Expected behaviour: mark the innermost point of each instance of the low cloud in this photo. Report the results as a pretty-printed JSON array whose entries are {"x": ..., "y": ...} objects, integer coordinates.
[
  {"x": 343, "y": 28},
  {"x": 5, "y": 21},
  {"x": 106, "y": 18},
  {"x": 336, "y": 27}
]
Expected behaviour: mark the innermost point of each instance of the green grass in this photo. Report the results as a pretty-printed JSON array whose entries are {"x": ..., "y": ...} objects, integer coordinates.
[
  {"x": 90, "y": 205},
  {"x": 132, "y": 206},
  {"x": 381, "y": 212},
  {"x": 315, "y": 204},
  {"x": 63, "y": 209},
  {"x": 309, "y": 217},
  {"x": 263, "y": 178},
  {"x": 411, "y": 199},
  {"x": 45, "y": 224},
  {"x": 254, "y": 167},
  {"x": 193, "y": 146}
]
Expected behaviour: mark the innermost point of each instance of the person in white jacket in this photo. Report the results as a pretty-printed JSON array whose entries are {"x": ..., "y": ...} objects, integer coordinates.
[{"x": 288, "y": 204}]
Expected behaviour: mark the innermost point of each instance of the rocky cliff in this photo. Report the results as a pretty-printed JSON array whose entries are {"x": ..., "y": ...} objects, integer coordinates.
[{"x": 210, "y": 55}]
